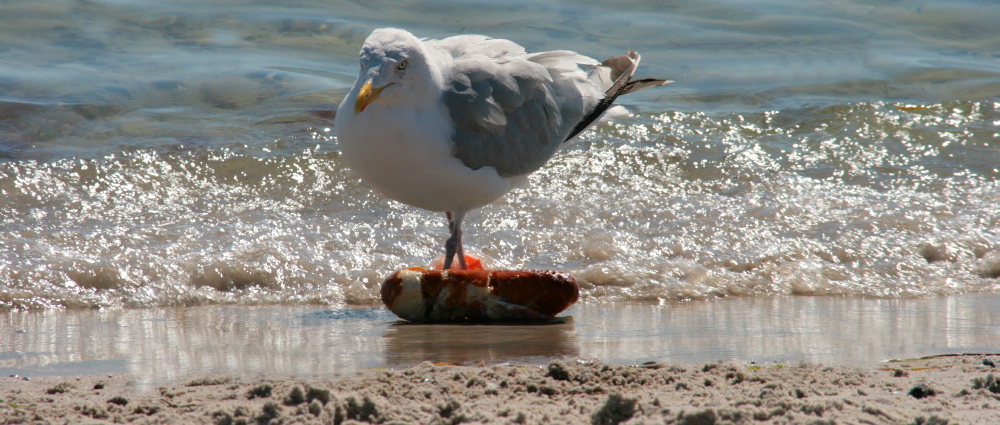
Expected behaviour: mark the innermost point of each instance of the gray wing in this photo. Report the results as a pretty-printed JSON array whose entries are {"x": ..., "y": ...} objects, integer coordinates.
[
  {"x": 508, "y": 112},
  {"x": 512, "y": 111}
]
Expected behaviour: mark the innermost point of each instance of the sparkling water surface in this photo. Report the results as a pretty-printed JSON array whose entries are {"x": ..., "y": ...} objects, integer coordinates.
[{"x": 172, "y": 153}]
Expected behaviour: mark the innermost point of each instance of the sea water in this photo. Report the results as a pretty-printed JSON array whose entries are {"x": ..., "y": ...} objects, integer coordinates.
[
  {"x": 157, "y": 345},
  {"x": 177, "y": 154},
  {"x": 182, "y": 153}
]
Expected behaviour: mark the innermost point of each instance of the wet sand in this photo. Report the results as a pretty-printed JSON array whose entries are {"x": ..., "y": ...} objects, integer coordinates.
[
  {"x": 812, "y": 360},
  {"x": 942, "y": 390},
  {"x": 167, "y": 345}
]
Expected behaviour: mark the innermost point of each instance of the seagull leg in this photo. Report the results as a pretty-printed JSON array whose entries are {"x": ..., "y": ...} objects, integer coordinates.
[{"x": 453, "y": 246}]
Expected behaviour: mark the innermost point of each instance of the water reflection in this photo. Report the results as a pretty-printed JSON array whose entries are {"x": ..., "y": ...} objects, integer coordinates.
[
  {"x": 168, "y": 344},
  {"x": 817, "y": 329},
  {"x": 408, "y": 344},
  {"x": 159, "y": 345}
]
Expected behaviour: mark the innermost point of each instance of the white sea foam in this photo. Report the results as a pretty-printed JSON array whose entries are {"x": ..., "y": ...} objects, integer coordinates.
[{"x": 153, "y": 154}]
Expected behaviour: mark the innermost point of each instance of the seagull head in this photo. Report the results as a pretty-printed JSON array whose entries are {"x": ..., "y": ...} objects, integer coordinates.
[{"x": 394, "y": 69}]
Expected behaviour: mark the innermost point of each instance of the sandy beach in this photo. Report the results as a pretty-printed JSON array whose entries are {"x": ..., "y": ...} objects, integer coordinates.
[{"x": 959, "y": 389}]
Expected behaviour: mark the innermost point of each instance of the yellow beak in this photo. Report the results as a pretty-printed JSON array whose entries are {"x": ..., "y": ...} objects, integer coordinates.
[{"x": 366, "y": 96}]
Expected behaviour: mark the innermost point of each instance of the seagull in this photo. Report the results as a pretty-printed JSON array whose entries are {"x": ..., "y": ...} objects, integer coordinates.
[{"x": 452, "y": 125}]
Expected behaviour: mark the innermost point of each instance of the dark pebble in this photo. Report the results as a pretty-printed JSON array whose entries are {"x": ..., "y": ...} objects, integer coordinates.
[{"x": 921, "y": 391}]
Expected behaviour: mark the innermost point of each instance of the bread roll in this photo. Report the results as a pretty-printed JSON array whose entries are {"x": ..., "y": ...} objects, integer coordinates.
[{"x": 419, "y": 295}]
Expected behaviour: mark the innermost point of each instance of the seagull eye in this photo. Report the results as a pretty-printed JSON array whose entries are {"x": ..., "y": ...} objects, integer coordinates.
[{"x": 402, "y": 65}]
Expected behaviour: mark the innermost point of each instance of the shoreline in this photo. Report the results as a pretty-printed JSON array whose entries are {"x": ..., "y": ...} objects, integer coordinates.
[
  {"x": 935, "y": 390},
  {"x": 162, "y": 345}
]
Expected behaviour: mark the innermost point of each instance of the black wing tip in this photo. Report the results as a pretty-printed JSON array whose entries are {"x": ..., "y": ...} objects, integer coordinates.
[{"x": 622, "y": 68}]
